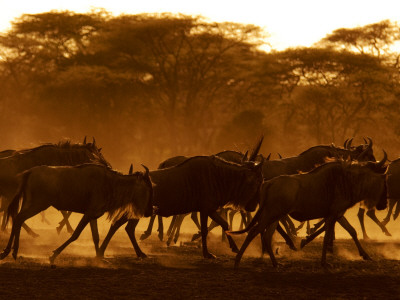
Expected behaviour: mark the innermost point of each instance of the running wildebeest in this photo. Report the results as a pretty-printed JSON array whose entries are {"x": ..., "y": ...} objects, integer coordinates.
[
  {"x": 393, "y": 186},
  {"x": 377, "y": 167},
  {"x": 369, "y": 204},
  {"x": 64, "y": 153},
  {"x": 203, "y": 184},
  {"x": 325, "y": 192},
  {"x": 176, "y": 222},
  {"x": 89, "y": 189}
]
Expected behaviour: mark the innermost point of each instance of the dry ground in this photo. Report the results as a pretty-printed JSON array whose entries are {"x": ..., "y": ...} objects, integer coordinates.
[{"x": 181, "y": 272}]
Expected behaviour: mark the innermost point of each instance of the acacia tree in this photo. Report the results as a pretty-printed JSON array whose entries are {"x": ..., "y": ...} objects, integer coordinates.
[{"x": 187, "y": 69}]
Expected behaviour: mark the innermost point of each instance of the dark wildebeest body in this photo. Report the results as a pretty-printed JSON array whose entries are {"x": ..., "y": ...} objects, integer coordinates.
[
  {"x": 89, "y": 189},
  {"x": 393, "y": 186},
  {"x": 201, "y": 184},
  {"x": 176, "y": 222},
  {"x": 61, "y": 154},
  {"x": 326, "y": 192}
]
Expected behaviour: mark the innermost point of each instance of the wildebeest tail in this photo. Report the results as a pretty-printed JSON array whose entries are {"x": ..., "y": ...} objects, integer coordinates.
[
  {"x": 251, "y": 224},
  {"x": 15, "y": 203}
]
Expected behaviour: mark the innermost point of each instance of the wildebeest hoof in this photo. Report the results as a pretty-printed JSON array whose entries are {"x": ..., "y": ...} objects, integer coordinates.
[
  {"x": 144, "y": 236},
  {"x": 365, "y": 256},
  {"x": 387, "y": 233},
  {"x": 142, "y": 255},
  {"x": 235, "y": 250},
  {"x": 14, "y": 255},
  {"x": 209, "y": 255},
  {"x": 34, "y": 235},
  {"x": 161, "y": 236},
  {"x": 326, "y": 266},
  {"x": 303, "y": 243}
]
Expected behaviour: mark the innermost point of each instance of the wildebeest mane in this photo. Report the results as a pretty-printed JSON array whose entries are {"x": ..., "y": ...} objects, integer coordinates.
[
  {"x": 62, "y": 153},
  {"x": 120, "y": 189}
]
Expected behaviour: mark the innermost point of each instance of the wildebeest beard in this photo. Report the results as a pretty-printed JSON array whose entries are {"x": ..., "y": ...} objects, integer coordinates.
[{"x": 204, "y": 183}]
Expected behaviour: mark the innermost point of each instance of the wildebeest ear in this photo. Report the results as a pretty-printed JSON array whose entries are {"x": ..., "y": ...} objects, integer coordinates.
[
  {"x": 130, "y": 169},
  {"x": 84, "y": 140}
]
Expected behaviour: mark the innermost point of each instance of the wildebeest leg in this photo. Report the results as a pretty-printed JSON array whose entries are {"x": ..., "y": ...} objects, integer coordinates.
[
  {"x": 65, "y": 221},
  {"x": 178, "y": 227},
  {"x": 44, "y": 219},
  {"x": 308, "y": 230},
  {"x": 224, "y": 216},
  {"x": 330, "y": 227},
  {"x": 95, "y": 234},
  {"x": 204, "y": 232},
  {"x": 160, "y": 228},
  {"x": 29, "y": 231},
  {"x": 3, "y": 221},
  {"x": 268, "y": 233},
  {"x": 230, "y": 216},
  {"x": 220, "y": 221},
  {"x": 195, "y": 219},
  {"x": 291, "y": 226},
  {"x": 176, "y": 221},
  {"x": 81, "y": 225},
  {"x": 316, "y": 226},
  {"x": 371, "y": 214},
  {"x": 312, "y": 236},
  {"x": 113, "y": 229},
  {"x": 147, "y": 233},
  {"x": 350, "y": 229},
  {"x": 286, "y": 237},
  {"x": 130, "y": 229},
  {"x": 300, "y": 226},
  {"x": 252, "y": 234},
  {"x": 360, "y": 216},
  {"x": 391, "y": 205},
  {"x": 18, "y": 221},
  {"x": 171, "y": 225}
]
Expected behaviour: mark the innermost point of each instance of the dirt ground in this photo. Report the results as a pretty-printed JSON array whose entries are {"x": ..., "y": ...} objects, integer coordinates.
[{"x": 180, "y": 272}]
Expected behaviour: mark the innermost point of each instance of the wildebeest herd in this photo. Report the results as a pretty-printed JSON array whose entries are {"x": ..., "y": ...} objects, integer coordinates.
[{"x": 322, "y": 182}]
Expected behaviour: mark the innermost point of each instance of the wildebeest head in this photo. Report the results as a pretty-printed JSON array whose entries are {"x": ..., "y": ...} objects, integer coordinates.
[
  {"x": 143, "y": 192},
  {"x": 95, "y": 153},
  {"x": 255, "y": 178},
  {"x": 362, "y": 152},
  {"x": 378, "y": 167}
]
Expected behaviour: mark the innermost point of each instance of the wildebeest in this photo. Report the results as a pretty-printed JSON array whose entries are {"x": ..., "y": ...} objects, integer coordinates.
[
  {"x": 325, "y": 192},
  {"x": 174, "y": 228},
  {"x": 203, "y": 184},
  {"x": 61, "y": 154},
  {"x": 89, "y": 189},
  {"x": 393, "y": 186}
]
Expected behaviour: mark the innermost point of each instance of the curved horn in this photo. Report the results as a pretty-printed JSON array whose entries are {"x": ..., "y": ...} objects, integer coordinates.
[
  {"x": 280, "y": 156},
  {"x": 349, "y": 143},
  {"x": 94, "y": 141},
  {"x": 345, "y": 144},
  {"x": 383, "y": 160},
  {"x": 84, "y": 140},
  {"x": 130, "y": 169},
  {"x": 268, "y": 157},
  {"x": 147, "y": 170},
  {"x": 256, "y": 149},
  {"x": 369, "y": 147},
  {"x": 365, "y": 141}
]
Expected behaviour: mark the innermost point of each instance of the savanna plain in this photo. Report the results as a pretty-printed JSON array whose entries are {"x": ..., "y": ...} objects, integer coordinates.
[{"x": 180, "y": 272}]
